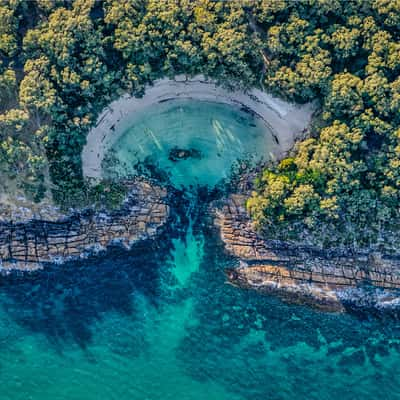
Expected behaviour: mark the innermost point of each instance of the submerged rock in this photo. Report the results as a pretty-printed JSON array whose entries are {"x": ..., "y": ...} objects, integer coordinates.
[
  {"x": 30, "y": 245},
  {"x": 330, "y": 280},
  {"x": 177, "y": 154}
]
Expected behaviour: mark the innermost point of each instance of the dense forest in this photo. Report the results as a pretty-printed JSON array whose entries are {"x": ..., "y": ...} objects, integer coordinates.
[
  {"x": 341, "y": 185},
  {"x": 61, "y": 62}
]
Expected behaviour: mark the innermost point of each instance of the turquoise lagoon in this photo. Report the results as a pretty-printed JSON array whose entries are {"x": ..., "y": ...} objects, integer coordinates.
[
  {"x": 222, "y": 135},
  {"x": 160, "y": 322}
]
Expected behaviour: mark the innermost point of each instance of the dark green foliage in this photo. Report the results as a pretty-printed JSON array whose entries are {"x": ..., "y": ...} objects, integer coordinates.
[
  {"x": 103, "y": 195},
  {"x": 342, "y": 187}
]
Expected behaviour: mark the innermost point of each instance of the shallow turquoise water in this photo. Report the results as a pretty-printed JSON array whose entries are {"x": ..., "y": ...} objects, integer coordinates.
[
  {"x": 223, "y": 135},
  {"x": 159, "y": 322}
]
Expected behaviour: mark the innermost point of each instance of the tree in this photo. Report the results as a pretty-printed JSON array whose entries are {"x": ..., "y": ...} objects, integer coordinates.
[
  {"x": 37, "y": 94},
  {"x": 345, "y": 42},
  {"x": 8, "y": 86},
  {"x": 344, "y": 98}
]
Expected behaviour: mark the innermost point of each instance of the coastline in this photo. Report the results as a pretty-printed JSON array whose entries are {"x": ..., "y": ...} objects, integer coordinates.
[
  {"x": 29, "y": 244},
  {"x": 331, "y": 280},
  {"x": 31, "y": 239},
  {"x": 285, "y": 120}
]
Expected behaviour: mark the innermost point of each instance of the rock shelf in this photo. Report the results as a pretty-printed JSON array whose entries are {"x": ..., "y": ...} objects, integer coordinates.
[
  {"x": 330, "y": 280},
  {"x": 30, "y": 245}
]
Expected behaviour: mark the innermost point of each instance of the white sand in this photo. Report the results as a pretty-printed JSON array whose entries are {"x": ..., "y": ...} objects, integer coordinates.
[{"x": 286, "y": 120}]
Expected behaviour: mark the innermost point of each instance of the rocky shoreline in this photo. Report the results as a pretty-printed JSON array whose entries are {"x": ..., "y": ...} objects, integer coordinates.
[
  {"x": 30, "y": 245},
  {"x": 329, "y": 280}
]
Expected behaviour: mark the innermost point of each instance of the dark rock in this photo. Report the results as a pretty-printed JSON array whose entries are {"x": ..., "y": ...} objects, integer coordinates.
[{"x": 177, "y": 154}]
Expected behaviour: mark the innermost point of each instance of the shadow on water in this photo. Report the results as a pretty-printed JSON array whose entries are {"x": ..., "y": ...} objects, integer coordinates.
[{"x": 63, "y": 301}]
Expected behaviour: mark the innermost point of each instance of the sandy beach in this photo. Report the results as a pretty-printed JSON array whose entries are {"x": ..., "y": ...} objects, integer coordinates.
[{"x": 285, "y": 120}]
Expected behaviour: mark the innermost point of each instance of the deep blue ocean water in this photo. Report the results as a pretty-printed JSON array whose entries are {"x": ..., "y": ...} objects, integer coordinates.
[{"x": 160, "y": 322}]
